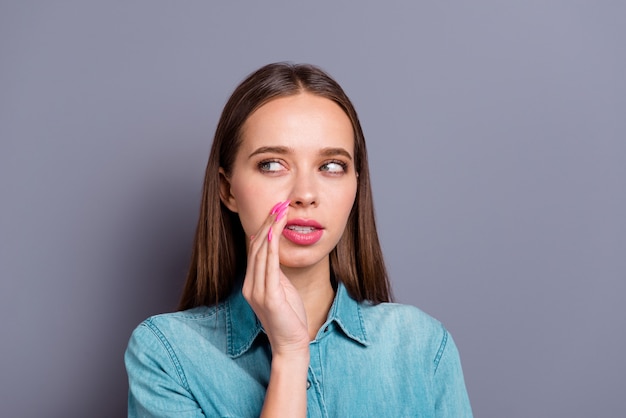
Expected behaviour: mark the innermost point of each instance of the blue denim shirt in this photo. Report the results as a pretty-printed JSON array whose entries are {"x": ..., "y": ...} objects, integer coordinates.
[{"x": 385, "y": 360}]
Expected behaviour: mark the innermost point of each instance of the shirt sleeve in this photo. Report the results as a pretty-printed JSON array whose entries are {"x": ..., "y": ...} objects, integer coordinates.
[
  {"x": 451, "y": 399},
  {"x": 157, "y": 384}
]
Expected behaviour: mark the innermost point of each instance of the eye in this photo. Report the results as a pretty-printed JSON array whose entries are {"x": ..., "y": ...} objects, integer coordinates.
[
  {"x": 270, "y": 166},
  {"x": 334, "y": 167}
]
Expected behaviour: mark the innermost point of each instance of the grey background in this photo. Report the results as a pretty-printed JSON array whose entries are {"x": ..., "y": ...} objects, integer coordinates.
[{"x": 496, "y": 132}]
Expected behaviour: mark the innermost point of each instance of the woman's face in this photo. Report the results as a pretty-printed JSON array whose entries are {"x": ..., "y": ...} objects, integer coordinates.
[{"x": 298, "y": 148}]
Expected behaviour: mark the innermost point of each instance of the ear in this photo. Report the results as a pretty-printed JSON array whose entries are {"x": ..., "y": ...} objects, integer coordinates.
[{"x": 226, "y": 195}]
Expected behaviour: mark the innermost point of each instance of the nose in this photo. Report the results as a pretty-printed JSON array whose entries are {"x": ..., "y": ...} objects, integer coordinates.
[{"x": 304, "y": 191}]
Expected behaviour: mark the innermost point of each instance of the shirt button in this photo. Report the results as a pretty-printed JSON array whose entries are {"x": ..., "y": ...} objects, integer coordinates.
[{"x": 308, "y": 384}]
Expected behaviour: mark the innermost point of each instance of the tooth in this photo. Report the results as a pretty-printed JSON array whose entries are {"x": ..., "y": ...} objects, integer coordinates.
[{"x": 301, "y": 229}]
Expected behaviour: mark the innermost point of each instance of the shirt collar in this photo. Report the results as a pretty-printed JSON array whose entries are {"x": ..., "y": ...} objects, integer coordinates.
[
  {"x": 242, "y": 325},
  {"x": 346, "y": 313}
]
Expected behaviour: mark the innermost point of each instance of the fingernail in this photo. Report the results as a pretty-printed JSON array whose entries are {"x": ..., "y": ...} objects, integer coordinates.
[
  {"x": 282, "y": 213},
  {"x": 284, "y": 206},
  {"x": 251, "y": 237},
  {"x": 276, "y": 207},
  {"x": 269, "y": 234}
]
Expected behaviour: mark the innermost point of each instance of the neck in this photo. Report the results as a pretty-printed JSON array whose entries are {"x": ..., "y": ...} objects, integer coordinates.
[{"x": 317, "y": 293}]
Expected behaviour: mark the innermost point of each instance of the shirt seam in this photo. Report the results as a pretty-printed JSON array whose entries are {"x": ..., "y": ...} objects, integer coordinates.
[
  {"x": 170, "y": 351},
  {"x": 199, "y": 316},
  {"x": 442, "y": 347},
  {"x": 362, "y": 324}
]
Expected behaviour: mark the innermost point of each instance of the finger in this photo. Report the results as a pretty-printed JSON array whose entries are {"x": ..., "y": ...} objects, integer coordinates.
[
  {"x": 257, "y": 244},
  {"x": 257, "y": 253},
  {"x": 258, "y": 261},
  {"x": 272, "y": 279}
]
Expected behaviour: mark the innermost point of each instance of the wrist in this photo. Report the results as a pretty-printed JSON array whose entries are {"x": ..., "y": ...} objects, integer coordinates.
[
  {"x": 292, "y": 360},
  {"x": 292, "y": 350},
  {"x": 286, "y": 393}
]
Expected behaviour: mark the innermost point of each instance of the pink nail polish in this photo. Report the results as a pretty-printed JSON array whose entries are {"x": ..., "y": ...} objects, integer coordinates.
[
  {"x": 283, "y": 206},
  {"x": 269, "y": 235},
  {"x": 282, "y": 213},
  {"x": 276, "y": 208}
]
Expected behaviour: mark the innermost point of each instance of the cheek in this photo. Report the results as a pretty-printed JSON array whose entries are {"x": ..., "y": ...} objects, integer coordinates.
[
  {"x": 248, "y": 201},
  {"x": 250, "y": 206},
  {"x": 343, "y": 200}
]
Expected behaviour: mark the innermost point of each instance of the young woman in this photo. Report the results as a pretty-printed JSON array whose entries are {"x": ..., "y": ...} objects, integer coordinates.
[{"x": 286, "y": 311}]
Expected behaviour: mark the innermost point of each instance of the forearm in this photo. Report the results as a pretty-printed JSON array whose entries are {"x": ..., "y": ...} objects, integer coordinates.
[{"x": 286, "y": 392}]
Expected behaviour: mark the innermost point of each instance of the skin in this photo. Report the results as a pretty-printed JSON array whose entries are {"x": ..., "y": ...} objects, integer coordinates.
[{"x": 298, "y": 149}]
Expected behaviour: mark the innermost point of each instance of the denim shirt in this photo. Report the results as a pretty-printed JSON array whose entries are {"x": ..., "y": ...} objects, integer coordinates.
[{"x": 385, "y": 360}]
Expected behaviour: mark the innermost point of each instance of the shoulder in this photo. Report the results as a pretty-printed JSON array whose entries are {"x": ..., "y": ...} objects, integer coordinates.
[
  {"x": 399, "y": 316},
  {"x": 163, "y": 356},
  {"x": 181, "y": 321},
  {"x": 166, "y": 331},
  {"x": 158, "y": 342},
  {"x": 405, "y": 325}
]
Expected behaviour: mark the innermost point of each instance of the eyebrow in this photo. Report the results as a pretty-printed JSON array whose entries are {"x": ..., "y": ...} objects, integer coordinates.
[{"x": 324, "y": 152}]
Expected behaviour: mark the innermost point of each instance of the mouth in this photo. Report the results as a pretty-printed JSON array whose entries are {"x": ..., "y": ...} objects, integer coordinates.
[{"x": 303, "y": 231}]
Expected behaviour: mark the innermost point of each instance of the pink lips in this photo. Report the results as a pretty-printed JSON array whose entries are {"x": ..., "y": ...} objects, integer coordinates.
[{"x": 303, "y": 231}]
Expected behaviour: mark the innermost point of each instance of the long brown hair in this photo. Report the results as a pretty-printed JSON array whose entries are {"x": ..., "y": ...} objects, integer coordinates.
[{"x": 219, "y": 249}]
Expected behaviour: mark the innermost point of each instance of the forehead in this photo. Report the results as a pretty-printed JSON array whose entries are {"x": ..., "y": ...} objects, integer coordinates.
[{"x": 301, "y": 122}]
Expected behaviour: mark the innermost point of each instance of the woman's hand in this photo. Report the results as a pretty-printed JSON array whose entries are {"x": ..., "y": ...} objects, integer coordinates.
[
  {"x": 279, "y": 307},
  {"x": 271, "y": 295}
]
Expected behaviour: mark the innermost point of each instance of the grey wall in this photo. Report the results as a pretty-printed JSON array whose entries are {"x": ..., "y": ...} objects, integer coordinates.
[{"x": 496, "y": 132}]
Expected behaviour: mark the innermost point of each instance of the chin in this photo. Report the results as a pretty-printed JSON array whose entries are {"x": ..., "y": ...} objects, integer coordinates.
[{"x": 300, "y": 261}]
